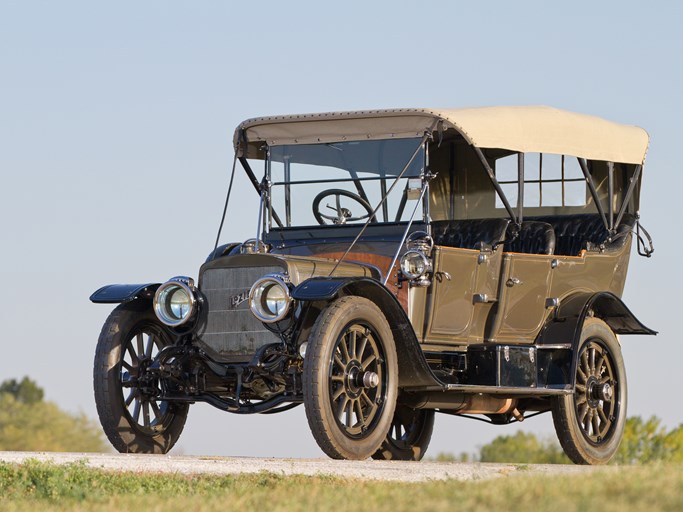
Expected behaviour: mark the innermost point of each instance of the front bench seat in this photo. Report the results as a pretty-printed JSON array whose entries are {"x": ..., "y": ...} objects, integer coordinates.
[
  {"x": 533, "y": 237},
  {"x": 469, "y": 234}
]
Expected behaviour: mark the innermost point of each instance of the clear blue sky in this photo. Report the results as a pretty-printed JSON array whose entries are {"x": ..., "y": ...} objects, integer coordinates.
[{"x": 115, "y": 129}]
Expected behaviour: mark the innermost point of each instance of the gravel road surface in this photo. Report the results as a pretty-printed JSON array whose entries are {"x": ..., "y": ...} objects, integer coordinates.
[{"x": 376, "y": 470}]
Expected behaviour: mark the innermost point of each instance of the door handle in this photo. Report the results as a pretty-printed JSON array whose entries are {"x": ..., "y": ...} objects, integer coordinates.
[{"x": 440, "y": 276}]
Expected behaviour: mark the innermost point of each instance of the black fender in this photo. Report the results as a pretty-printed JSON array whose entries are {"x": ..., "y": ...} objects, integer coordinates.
[
  {"x": 223, "y": 250},
  {"x": 119, "y": 293},
  {"x": 413, "y": 370},
  {"x": 566, "y": 324}
]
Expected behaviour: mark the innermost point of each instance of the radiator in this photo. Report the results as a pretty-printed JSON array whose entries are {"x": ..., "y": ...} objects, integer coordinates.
[{"x": 231, "y": 332}]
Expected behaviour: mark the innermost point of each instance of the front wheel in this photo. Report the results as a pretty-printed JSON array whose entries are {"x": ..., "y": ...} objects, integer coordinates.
[
  {"x": 132, "y": 417},
  {"x": 590, "y": 422},
  {"x": 350, "y": 379}
]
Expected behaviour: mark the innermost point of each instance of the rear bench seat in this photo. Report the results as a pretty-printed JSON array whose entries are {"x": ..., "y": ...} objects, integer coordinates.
[
  {"x": 533, "y": 237},
  {"x": 562, "y": 235},
  {"x": 574, "y": 233}
]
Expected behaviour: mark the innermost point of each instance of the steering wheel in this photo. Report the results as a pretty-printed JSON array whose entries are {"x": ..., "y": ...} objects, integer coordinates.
[{"x": 343, "y": 215}]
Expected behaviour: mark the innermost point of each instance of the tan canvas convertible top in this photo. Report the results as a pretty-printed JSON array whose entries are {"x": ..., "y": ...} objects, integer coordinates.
[{"x": 537, "y": 129}]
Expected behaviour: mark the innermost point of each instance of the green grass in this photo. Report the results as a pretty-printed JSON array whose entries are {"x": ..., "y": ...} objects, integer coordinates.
[{"x": 45, "y": 487}]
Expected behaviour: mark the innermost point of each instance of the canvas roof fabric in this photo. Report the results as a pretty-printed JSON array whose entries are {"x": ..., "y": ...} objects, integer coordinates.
[{"x": 526, "y": 129}]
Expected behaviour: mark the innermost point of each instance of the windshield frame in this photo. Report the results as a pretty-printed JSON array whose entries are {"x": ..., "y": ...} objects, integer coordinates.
[{"x": 274, "y": 220}]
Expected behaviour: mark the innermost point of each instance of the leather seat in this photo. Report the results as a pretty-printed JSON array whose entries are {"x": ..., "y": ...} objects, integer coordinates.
[
  {"x": 563, "y": 235},
  {"x": 574, "y": 233},
  {"x": 469, "y": 234},
  {"x": 533, "y": 237}
]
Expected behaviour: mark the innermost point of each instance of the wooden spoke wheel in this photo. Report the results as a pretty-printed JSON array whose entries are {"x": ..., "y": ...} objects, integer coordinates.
[
  {"x": 132, "y": 416},
  {"x": 590, "y": 422},
  {"x": 350, "y": 379}
]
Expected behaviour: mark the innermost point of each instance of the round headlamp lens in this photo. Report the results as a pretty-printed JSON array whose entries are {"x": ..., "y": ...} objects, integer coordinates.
[
  {"x": 275, "y": 299},
  {"x": 414, "y": 264},
  {"x": 269, "y": 299},
  {"x": 178, "y": 303},
  {"x": 174, "y": 303}
]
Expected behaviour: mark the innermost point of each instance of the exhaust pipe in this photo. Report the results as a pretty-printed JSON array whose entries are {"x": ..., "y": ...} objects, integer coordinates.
[{"x": 470, "y": 404}]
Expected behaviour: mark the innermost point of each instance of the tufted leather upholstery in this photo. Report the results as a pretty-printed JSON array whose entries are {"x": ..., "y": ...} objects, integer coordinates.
[
  {"x": 469, "y": 234},
  {"x": 564, "y": 235},
  {"x": 574, "y": 233},
  {"x": 533, "y": 238}
]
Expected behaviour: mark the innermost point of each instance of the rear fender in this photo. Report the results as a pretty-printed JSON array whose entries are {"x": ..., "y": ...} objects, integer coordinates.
[
  {"x": 566, "y": 324},
  {"x": 119, "y": 293},
  {"x": 317, "y": 292}
]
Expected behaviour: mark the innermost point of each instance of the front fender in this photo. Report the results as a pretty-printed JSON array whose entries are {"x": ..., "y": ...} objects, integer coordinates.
[
  {"x": 118, "y": 293},
  {"x": 320, "y": 288},
  {"x": 223, "y": 250},
  {"x": 413, "y": 370}
]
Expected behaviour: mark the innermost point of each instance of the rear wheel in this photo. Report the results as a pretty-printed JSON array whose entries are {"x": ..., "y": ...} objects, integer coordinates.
[
  {"x": 590, "y": 422},
  {"x": 132, "y": 417},
  {"x": 350, "y": 379},
  {"x": 409, "y": 435}
]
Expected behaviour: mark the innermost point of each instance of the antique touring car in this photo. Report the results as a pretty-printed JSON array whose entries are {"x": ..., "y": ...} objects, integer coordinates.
[{"x": 406, "y": 262}]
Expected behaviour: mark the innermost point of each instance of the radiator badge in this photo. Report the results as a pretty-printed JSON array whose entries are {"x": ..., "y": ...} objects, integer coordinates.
[{"x": 238, "y": 299}]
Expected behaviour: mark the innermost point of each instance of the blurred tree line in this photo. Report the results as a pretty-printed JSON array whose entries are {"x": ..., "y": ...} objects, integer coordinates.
[
  {"x": 644, "y": 441},
  {"x": 29, "y": 423}
]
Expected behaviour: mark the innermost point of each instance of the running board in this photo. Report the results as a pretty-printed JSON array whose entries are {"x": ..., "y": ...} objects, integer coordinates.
[{"x": 496, "y": 390}]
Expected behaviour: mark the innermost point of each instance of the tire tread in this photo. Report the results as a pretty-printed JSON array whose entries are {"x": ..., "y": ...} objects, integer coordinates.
[
  {"x": 109, "y": 408},
  {"x": 317, "y": 421},
  {"x": 568, "y": 432}
]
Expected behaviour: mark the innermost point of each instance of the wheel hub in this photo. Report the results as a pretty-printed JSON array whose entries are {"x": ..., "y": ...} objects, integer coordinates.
[
  {"x": 357, "y": 379},
  {"x": 591, "y": 392},
  {"x": 597, "y": 392},
  {"x": 353, "y": 383},
  {"x": 603, "y": 391},
  {"x": 146, "y": 381}
]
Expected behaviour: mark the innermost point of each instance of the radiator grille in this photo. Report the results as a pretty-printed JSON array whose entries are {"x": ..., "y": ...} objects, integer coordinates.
[{"x": 231, "y": 331}]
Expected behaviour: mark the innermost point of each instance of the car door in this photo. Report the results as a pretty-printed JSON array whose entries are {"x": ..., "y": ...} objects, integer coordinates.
[
  {"x": 525, "y": 286},
  {"x": 464, "y": 289}
]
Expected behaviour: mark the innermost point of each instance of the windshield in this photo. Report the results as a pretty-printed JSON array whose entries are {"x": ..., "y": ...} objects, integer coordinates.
[{"x": 343, "y": 182}]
